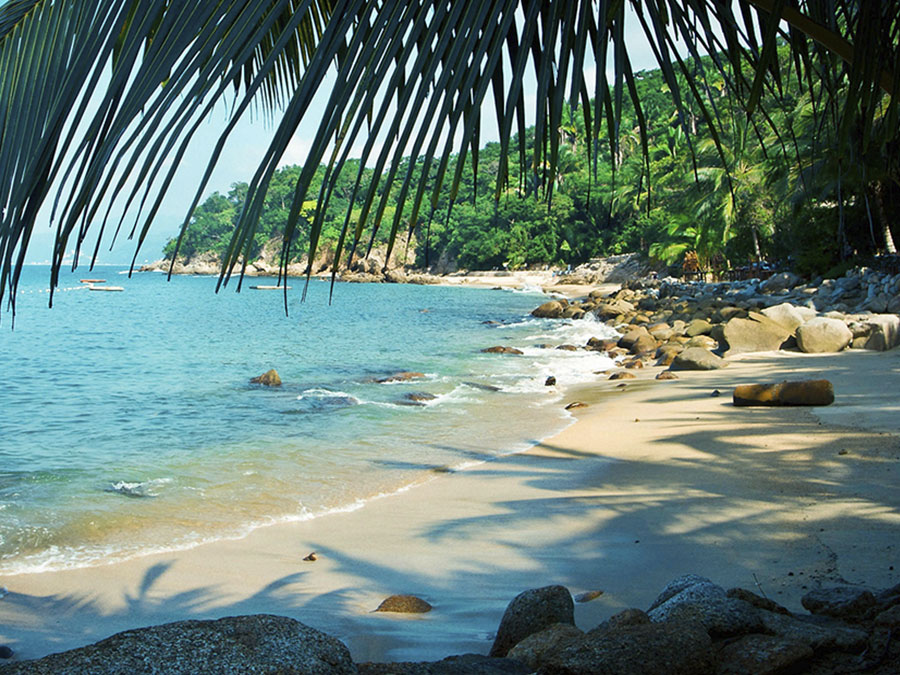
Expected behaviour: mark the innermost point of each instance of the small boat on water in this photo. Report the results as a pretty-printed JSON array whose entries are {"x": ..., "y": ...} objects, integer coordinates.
[
  {"x": 268, "y": 288},
  {"x": 105, "y": 288},
  {"x": 92, "y": 281}
]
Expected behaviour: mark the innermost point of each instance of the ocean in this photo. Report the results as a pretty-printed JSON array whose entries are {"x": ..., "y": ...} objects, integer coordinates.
[{"x": 129, "y": 426}]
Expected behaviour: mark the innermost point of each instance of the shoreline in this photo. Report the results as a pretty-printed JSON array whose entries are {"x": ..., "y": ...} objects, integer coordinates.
[{"x": 637, "y": 491}]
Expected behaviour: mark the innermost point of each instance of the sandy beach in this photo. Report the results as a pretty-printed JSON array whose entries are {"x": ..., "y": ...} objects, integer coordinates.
[{"x": 653, "y": 480}]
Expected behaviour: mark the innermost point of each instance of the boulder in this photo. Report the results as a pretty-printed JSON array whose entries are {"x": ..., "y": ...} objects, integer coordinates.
[
  {"x": 622, "y": 375},
  {"x": 697, "y": 358},
  {"x": 698, "y": 327},
  {"x": 499, "y": 349},
  {"x": 676, "y": 648},
  {"x": 779, "y": 282},
  {"x": 403, "y": 376},
  {"x": 708, "y": 604},
  {"x": 842, "y": 602},
  {"x": 823, "y": 335},
  {"x": 530, "y": 612},
  {"x": 756, "y": 333},
  {"x": 574, "y": 405},
  {"x": 267, "y": 379},
  {"x": 404, "y": 604},
  {"x": 787, "y": 316},
  {"x": 666, "y": 375},
  {"x": 820, "y": 636},
  {"x": 630, "y": 338},
  {"x": 550, "y": 310},
  {"x": 702, "y": 341},
  {"x": 762, "y": 655},
  {"x": 806, "y": 392},
  {"x": 470, "y": 664},
  {"x": 884, "y": 332},
  {"x": 612, "y": 309},
  {"x": 550, "y": 381},
  {"x": 644, "y": 344},
  {"x": 270, "y": 643},
  {"x": 534, "y": 650}
]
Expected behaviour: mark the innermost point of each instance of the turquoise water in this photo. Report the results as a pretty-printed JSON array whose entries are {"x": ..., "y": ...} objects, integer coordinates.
[{"x": 128, "y": 424}]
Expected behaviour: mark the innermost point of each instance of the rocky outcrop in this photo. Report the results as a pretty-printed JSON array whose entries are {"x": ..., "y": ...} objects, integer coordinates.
[
  {"x": 531, "y": 612},
  {"x": 552, "y": 309},
  {"x": 259, "y": 643}
]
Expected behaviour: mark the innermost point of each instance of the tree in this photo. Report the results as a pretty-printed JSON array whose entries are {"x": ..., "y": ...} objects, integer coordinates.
[{"x": 166, "y": 64}]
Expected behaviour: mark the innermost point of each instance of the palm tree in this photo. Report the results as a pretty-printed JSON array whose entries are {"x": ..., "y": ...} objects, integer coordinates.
[{"x": 99, "y": 99}]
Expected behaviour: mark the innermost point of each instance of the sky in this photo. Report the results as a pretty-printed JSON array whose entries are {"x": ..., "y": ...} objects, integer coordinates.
[{"x": 239, "y": 162}]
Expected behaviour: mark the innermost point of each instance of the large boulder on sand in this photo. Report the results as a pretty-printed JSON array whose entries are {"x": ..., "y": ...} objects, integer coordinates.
[
  {"x": 697, "y": 358},
  {"x": 404, "y": 604},
  {"x": 272, "y": 644},
  {"x": 530, "y": 612},
  {"x": 823, "y": 335},
  {"x": 756, "y": 333},
  {"x": 884, "y": 333},
  {"x": 807, "y": 392},
  {"x": 788, "y": 316}
]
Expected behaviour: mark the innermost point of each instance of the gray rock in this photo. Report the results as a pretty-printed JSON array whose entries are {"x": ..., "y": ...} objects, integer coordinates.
[
  {"x": 709, "y": 605},
  {"x": 470, "y": 664},
  {"x": 260, "y": 643},
  {"x": 762, "y": 655},
  {"x": 788, "y": 316},
  {"x": 627, "y": 617},
  {"x": 534, "y": 650},
  {"x": 677, "y": 648},
  {"x": 823, "y": 335},
  {"x": 677, "y": 585},
  {"x": 820, "y": 636},
  {"x": 628, "y": 340},
  {"x": 843, "y": 602},
  {"x": 532, "y": 611},
  {"x": 884, "y": 332},
  {"x": 779, "y": 282},
  {"x": 697, "y": 358},
  {"x": 757, "y": 333}
]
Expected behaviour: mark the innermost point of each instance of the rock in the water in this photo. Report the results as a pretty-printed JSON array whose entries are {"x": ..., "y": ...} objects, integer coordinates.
[
  {"x": 499, "y": 349},
  {"x": 587, "y": 596},
  {"x": 403, "y": 376},
  {"x": 622, "y": 375},
  {"x": 666, "y": 375},
  {"x": 419, "y": 397},
  {"x": 550, "y": 381},
  {"x": 806, "y": 392},
  {"x": 270, "y": 643},
  {"x": 697, "y": 358},
  {"x": 530, "y": 612},
  {"x": 404, "y": 604},
  {"x": 823, "y": 335},
  {"x": 762, "y": 655},
  {"x": 677, "y": 648},
  {"x": 756, "y": 333},
  {"x": 842, "y": 602},
  {"x": 537, "y": 647},
  {"x": 550, "y": 310},
  {"x": 268, "y": 379},
  {"x": 5, "y": 652},
  {"x": 576, "y": 404}
]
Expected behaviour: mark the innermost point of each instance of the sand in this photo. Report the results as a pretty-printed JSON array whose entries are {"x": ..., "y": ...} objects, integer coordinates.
[{"x": 654, "y": 479}]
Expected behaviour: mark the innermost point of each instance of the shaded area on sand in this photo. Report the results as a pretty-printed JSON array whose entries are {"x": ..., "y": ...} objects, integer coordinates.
[{"x": 653, "y": 481}]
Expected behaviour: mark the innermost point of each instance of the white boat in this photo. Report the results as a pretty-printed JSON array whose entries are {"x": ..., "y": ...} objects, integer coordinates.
[
  {"x": 105, "y": 288},
  {"x": 268, "y": 288}
]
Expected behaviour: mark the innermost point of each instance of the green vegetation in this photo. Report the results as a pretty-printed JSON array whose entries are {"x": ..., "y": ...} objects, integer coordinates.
[{"x": 751, "y": 197}]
